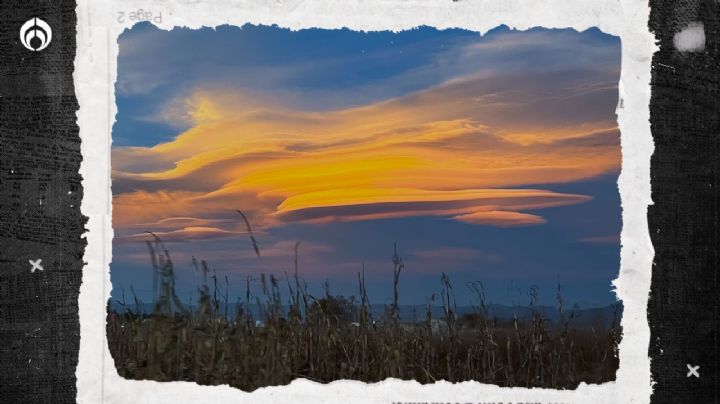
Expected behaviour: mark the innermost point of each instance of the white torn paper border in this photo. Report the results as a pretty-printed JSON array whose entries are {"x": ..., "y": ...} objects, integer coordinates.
[{"x": 99, "y": 25}]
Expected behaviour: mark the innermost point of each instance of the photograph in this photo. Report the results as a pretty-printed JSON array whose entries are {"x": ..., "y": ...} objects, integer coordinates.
[{"x": 333, "y": 204}]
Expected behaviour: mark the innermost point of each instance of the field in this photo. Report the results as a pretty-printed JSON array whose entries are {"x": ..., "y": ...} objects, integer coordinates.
[{"x": 290, "y": 334}]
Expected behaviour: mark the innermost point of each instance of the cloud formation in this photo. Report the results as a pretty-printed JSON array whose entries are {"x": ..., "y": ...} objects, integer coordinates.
[
  {"x": 477, "y": 148},
  {"x": 484, "y": 157},
  {"x": 182, "y": 234}
]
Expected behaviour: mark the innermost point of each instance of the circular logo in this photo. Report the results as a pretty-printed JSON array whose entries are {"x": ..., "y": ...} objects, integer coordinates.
[{"x": 35, "y": 34}]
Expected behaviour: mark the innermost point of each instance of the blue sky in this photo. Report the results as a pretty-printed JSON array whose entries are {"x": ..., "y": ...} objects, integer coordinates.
[{"x": 212, "y": 120}]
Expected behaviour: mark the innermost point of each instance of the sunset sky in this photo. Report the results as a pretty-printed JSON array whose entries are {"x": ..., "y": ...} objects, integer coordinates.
[{"x": 491, "y": 158}]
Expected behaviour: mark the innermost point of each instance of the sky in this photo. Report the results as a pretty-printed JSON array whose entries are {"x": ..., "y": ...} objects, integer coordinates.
[{"x": 490, "y": 158}]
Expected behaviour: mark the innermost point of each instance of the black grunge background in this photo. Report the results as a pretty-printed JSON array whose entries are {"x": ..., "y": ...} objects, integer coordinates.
[
  {"x": 683, "y": 308},
  {"x": 40, "y": 196}
]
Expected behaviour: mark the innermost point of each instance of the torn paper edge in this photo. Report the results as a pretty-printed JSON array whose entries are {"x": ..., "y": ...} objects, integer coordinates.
[{"x": 95, "y": 74}]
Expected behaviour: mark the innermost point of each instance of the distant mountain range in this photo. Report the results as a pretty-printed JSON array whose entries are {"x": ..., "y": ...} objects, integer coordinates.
[
  {"x": 589, "y": 317},
  {"x": 596, "y": 316}
]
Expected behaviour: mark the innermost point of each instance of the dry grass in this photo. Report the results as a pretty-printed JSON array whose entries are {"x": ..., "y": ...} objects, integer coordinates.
[{"x": 331, "y": 338}]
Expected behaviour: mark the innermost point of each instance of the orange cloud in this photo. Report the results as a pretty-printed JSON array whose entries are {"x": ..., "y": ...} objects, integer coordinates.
[
  {"x": 469, "y": 206},
  {"x": 184, "y": 234},
  {"x": 447, "y": 151},
  {"x": 500, "y": 218},
  {"x": 177, "y": 222}
]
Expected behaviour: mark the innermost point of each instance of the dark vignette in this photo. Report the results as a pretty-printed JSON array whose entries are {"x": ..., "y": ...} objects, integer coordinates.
[
  {"x": 683, "y": 307},
  {"x": 40, "y": 196}
]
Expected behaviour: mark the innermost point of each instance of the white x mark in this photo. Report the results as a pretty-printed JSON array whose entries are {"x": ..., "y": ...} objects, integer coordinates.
[
  {"x": 35, "y": 265},
  {"x": 693, "y": 371}
]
